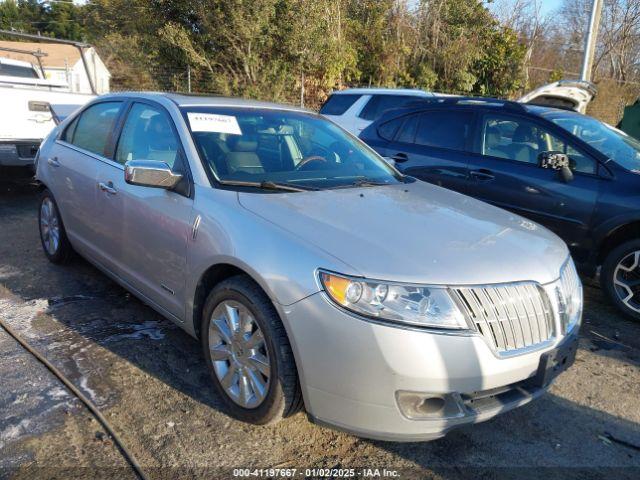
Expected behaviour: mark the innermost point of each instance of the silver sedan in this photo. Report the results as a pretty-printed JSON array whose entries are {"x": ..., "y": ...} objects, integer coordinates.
[{"x": 313, "y": 273}]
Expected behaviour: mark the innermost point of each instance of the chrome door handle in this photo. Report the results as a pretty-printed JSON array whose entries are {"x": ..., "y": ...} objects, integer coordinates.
[
  {"x": 53, "y": 162},
  {"x": 107, "y": 187}
]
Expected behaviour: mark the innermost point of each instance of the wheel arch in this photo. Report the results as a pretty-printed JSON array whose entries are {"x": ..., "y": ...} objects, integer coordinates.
[
  {"x": 624, "y": 232},
  {"x": 212, "y": 276}
]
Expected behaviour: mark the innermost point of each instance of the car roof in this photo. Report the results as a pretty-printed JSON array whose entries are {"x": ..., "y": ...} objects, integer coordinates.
[
  {"x": 188, "y": 100},
  {"x": 463, "y": 103},
  {"x": 383, "y": 91}
]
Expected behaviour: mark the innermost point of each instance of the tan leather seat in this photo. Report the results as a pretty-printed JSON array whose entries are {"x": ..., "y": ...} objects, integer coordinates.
[{"x": 243, "y": 157}]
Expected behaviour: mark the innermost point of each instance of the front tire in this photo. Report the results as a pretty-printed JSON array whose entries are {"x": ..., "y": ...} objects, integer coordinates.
[
  {"x": 53, "y": 236},
  {"x": 620, "y": 278},
  {"x": 248, "y": 353}
]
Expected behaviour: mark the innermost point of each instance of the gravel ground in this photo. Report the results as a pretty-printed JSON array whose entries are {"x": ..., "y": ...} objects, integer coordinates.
[{"x": 148, "y": 378}]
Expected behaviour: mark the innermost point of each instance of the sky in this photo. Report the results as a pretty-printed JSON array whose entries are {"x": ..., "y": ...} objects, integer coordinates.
[
  {"x": 546, "y": 6},
  {"x": 549, "y": 6}
]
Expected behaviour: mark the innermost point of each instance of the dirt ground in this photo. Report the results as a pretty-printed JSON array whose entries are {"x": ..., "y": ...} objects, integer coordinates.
[{"x": 148, "y": 377}]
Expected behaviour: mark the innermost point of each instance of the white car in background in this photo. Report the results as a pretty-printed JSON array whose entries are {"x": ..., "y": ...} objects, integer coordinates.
[{"x": 354, "y": 109}]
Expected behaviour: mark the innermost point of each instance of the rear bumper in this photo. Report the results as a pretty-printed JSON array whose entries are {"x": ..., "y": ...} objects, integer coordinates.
[{"x": 18, "y": 153}]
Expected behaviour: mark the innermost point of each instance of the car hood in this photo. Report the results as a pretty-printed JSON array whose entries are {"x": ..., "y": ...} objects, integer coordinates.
[{"x": 417, "y": 233}]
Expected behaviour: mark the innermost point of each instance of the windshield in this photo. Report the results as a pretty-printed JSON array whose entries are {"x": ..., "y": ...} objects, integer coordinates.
[
  {"x": 615, "y": 144},
  {"x": 293, "y": 148}
]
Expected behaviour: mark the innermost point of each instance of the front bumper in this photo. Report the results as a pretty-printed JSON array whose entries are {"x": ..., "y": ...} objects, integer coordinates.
[
  {"x": 352, "y": 369},
  {"x": 18, "y": 153}
]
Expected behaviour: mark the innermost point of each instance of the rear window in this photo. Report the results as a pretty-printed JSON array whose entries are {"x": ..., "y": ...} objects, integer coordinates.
[
  {"x": 378, "y": 104},
  {"x": 17, "y": 71},
  {"x": 444, "y": 129},
  {"x": 337, "y": 104}
]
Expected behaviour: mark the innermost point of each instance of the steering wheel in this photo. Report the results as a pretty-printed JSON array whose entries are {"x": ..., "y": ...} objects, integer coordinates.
[{"x": 311, "y": 159}]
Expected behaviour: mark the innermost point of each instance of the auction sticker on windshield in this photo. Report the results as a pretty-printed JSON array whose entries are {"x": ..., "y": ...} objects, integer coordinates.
[{"x": 210, "y": 122}]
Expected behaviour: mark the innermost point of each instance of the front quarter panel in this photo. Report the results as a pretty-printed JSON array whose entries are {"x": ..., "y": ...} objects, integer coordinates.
[
  {"x": 618, "y": 203},
  {"x": 279, "y": 261}
]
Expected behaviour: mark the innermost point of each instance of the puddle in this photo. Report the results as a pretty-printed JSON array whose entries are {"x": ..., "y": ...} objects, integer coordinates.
[
  {"x": 80, "y": 340},
  {"x": 149, "y": 329},
  {"x": 56, "y": 302}
]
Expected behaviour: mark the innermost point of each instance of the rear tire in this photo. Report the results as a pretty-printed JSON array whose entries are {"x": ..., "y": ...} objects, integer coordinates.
[
  {"x": 53, "y": 236},
  {"x": 620, "y": 278},
  {"x": 248, "y": 353}
]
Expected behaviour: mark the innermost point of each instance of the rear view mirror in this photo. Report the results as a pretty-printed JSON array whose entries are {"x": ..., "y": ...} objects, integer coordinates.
[
  {"x": 557, "y": 161},
  {"x": 151, "y": 173}
]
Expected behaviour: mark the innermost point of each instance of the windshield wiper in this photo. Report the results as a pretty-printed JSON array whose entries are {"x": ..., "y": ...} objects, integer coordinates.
[
  {"x": 362, "y": 182},
  {"x": 269, "y": 185}
]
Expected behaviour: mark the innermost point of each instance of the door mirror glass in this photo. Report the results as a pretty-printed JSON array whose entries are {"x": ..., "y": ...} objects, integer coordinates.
[
  {"x": 151, "y": 173},
  {"x": 557, "y": 161}
]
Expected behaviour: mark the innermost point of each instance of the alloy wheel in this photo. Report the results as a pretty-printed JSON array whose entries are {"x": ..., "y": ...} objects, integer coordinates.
[
  {"x": 49, "y": 226},
  {"x": 626, "y": 280},
  {"x": 239, "y": 355}
]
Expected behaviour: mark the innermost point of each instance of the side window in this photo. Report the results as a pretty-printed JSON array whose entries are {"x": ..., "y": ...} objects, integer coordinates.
[
  {"x": 523, "y": 141},
  {"x": 67, "y": 136},
  {"x": 388, "y": 129},
  {"x": 444, "y": 129},
  {"x": 93, "y": 127},
  {"x": 339, "y": 103},
  {"x": 580, "y": 162},
  {"x": 408, "y": 130},
  {"x": 147, "y": 135},
  {"x": 378, "y": 104}
]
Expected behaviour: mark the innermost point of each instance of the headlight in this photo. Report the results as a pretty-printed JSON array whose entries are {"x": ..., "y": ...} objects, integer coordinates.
[
  {"x": 410, "y": 304},
  {"x": 570, "y": 298}
]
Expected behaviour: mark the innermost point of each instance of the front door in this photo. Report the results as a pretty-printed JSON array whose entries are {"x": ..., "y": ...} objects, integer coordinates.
[
  {"x": 504, "y": 171},
  {"x": 149, "y": 226}
]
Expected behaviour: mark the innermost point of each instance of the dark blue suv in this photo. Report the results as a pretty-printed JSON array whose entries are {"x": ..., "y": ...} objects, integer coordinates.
[{"x": 569, "y": 172}]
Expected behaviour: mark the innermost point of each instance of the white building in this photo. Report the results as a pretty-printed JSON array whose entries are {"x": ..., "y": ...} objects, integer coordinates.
[{"x": 63, "y": 63}]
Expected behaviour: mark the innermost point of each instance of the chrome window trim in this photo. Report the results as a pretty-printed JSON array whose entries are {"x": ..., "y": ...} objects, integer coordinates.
[{"x": 93, "y": 155}]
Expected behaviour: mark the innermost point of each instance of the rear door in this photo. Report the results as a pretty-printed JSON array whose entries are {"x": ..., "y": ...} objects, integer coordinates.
[
  {"x": 71, "y": 170},
  {"x": 505, "y": 172},
  {"x": 433, "y": 146},
  {"x": 147, "y": 228}
]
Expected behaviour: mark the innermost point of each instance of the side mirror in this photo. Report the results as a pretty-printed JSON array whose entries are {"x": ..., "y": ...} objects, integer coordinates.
[
  {"x": 566, "y": 174},
  {"x": 150, "y": 173},
  {"x": 557, "y": 161}
]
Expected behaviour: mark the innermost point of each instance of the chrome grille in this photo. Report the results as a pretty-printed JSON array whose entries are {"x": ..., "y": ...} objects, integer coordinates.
[{"x": 511, "y": 316}]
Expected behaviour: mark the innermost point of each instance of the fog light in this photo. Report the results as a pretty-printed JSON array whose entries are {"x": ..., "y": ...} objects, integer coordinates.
[{"x": 429, "y": 406}]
